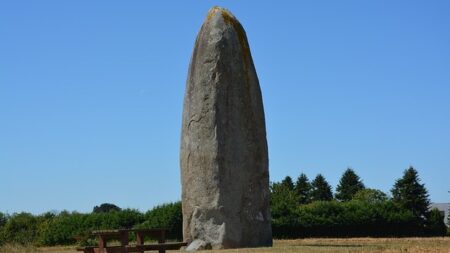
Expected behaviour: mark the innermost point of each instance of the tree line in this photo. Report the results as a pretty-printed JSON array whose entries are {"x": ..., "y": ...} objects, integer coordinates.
[
  {"x": 309, "y": 208},
  {"x": 301, "y": 209},
  {"x": 68, "y": 228}
]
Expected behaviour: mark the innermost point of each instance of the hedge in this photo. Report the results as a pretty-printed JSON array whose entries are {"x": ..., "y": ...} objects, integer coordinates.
[
  {"x": 289, "y": 220},
  {"x": 346, "y": 219}
]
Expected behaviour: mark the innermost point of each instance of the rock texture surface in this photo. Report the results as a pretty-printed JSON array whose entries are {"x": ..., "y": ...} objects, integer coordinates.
[{"x": 224, "y": 160}]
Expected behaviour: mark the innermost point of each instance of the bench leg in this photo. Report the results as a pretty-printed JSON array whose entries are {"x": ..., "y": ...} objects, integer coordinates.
[
  {"x": 140, "y": 240},
  {"x": 124, "y": 242},
  {"x": 162, "y": 239},
  {"x": 101, "y": 245}
]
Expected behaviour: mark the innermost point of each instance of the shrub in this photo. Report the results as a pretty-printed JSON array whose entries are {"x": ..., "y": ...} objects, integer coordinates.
[
  {"x": 166, "y": 216},
  {"x": 283, "y": 200},
  {"x": 63, "y": 229},
  {"x": 66, "y": 228},
  {"x": 20, "y": 228},
  {"x": 435, "y": 224},
  {"x": 3, "y": 220},
  {"x": 371, "y": 196}
]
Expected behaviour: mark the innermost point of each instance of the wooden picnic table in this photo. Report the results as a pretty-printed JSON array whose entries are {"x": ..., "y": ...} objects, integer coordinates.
[{"x": 122, "y": 235}]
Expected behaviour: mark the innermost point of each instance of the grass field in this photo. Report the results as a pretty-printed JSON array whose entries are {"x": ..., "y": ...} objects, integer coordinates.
[{"x": 353, "y": 245}]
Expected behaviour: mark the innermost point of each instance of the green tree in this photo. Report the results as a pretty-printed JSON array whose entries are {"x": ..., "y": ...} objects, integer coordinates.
[
  {"x": 349, "y": 184},
  {"x": 321, "y": 189},
  {"x": 3, "y": 219},
  {"x": 283, "y": 200},
  {"x": 370, "y": 196},
  {"x": 288, "y": 183},
  {"x": 21, "y": 228},
  {"x": 435, "y": 224},
  {"x": 64, "y": 227},
  {"x": 303, "y": 189},
  {"x": 283, "y": 203},
  {"x": 105, "y": 208},
  {"x": 411, "y": 194}
]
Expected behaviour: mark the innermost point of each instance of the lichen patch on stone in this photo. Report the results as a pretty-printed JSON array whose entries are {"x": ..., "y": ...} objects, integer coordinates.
[{"x": 211, "y": 12}]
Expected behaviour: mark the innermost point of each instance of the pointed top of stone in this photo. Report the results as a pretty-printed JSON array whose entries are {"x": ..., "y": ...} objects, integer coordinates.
[
  {"x": 221, "y": 12},
  {"x": 220, "y": 24},
  {"x": 220, "y": 17}
]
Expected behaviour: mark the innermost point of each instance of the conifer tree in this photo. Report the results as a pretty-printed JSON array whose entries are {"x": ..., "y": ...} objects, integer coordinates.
[
  {"x": 303, "y": 189},
  {"x": 321, "y": 189},
  {"x": 288, "y": 183},
  {"x": 411, "y": 194},
  {"x": 348, "y": 186}
]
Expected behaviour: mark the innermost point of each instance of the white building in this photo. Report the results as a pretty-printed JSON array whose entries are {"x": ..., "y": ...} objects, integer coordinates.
[{"x": 444, "y": 209}]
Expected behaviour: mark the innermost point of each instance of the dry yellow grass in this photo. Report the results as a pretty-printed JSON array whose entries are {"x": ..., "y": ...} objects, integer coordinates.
[{"x": 317, "y": 245}]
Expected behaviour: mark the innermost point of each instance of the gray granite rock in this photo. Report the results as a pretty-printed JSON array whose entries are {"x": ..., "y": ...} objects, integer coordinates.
[{"x": 224, "y": 160}]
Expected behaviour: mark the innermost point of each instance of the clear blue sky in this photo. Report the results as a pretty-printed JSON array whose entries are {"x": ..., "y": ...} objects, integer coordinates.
[{"x": 91, "y": 95}]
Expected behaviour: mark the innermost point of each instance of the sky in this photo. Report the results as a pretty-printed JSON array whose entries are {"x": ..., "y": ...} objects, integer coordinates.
[{"x": 91, "y": 95}]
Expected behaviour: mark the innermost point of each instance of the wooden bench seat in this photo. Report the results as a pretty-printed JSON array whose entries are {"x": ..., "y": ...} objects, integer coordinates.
[
  {"x": 94, "y": 249},
  {"x": 162, "y": 247},
  {"x": 87, "y": 249},
  {"x": 123, "y": 236}
]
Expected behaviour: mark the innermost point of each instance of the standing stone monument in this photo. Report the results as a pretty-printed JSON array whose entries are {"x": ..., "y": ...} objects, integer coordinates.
[{"x": 224, "y": 161}]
